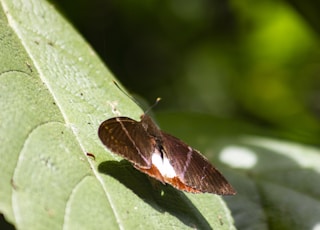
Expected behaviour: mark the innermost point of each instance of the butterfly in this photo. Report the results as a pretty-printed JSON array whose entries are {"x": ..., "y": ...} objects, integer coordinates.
[{"x": 162, "y": 156}]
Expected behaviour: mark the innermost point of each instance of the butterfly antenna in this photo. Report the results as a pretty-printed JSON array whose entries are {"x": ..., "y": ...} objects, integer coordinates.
[
  {"x": 123, "y": 91},
  {"x": 134, "y": 100},
  {"x": 154, "y": 105}
]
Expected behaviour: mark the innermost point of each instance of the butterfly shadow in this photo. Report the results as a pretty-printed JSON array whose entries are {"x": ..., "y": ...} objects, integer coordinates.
[{"x": 163, "y": 198}]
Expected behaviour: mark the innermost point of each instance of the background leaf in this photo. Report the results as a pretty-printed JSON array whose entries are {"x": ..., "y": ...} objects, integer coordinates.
[{"x": 54, "y": 94}]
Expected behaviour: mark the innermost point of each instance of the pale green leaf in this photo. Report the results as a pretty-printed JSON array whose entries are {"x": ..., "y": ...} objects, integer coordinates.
[{"x": 54, "y": 93}]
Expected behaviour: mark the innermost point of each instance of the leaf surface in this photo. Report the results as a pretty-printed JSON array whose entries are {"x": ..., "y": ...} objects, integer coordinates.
[{"x": 54, "y": 93}]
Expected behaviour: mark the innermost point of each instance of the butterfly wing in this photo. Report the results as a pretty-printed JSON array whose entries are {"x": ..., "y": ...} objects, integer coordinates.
[
  {"x": 127, "y": 138},
  {"x": 193, "y": 169}
]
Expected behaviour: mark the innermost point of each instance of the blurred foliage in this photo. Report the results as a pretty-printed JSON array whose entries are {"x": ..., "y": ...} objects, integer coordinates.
[{"x": 252, "y": 60}]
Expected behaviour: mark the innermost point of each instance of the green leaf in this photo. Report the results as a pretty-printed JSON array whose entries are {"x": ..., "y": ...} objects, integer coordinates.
[
  {"x": 278, "y": 182},
  {"x": 54, "y": 93}
]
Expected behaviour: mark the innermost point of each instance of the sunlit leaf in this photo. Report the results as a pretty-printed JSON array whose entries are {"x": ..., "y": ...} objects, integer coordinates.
[{"x": 54, "y": 93}]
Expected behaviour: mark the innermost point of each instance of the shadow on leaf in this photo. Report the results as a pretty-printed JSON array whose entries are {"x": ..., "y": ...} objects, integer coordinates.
[{"x": 163, "y": 198}]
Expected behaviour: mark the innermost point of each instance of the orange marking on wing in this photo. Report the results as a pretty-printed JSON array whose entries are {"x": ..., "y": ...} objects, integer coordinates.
[
  {"x": 153, "y": 172},
  {"x": 175, "y": 181}
]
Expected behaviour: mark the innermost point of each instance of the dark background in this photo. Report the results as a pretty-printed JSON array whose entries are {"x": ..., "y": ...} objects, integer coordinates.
[{"x": 257, "y": 61}]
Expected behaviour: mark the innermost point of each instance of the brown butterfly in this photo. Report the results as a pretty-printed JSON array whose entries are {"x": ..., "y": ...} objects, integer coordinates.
[{"x": 162, "y": 156}]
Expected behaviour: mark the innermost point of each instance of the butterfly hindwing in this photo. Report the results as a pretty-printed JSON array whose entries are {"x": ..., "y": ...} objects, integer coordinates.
[{"x": 193, "y": 169}]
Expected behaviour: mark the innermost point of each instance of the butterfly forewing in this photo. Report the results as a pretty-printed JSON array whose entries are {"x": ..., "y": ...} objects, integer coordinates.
[
  {"x": 122, "y": 135},
  {"x": 193, "y": 169}
]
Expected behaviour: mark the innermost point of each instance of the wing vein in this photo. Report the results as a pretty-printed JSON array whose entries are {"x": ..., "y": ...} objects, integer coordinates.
[{"x": 131, "y": 139}]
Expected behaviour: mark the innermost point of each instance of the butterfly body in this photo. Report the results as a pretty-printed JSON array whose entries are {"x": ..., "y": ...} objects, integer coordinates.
[{"x": 162, "y": 156}]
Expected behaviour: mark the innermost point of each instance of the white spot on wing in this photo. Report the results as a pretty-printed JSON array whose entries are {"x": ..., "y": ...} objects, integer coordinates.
[{"x": 163, "y": 165}]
